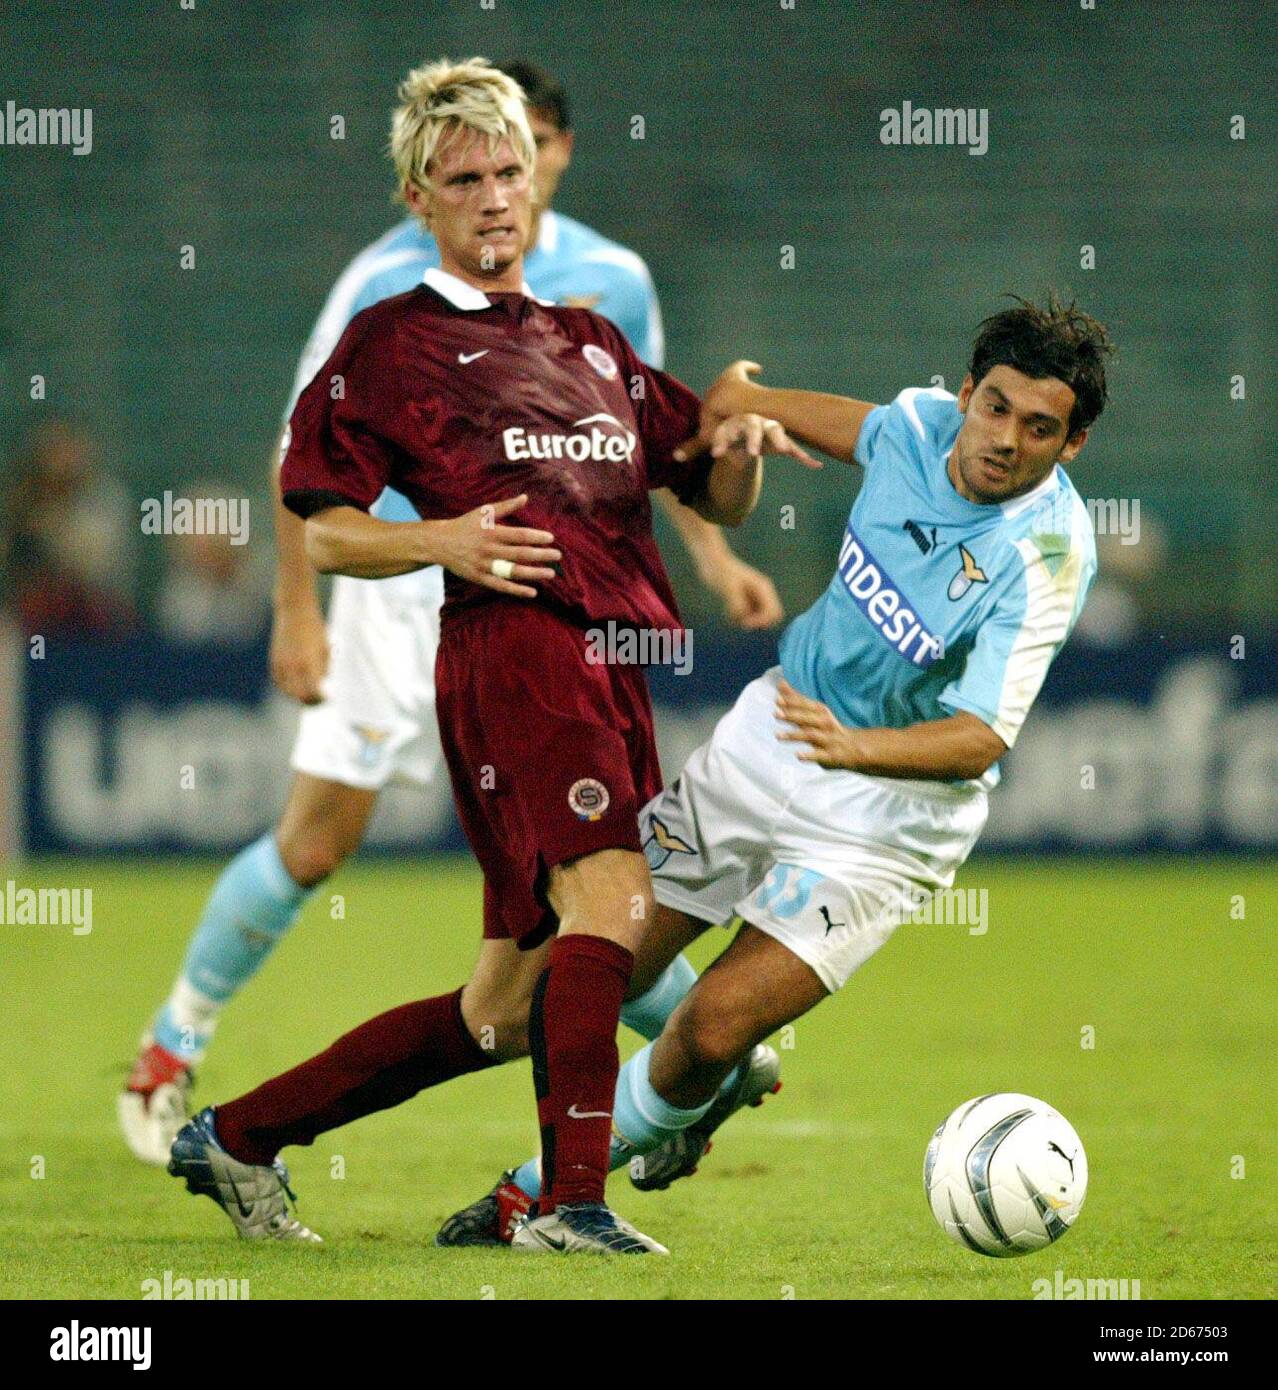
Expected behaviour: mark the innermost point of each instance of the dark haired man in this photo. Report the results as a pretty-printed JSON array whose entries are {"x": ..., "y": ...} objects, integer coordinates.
[{"x": 849, "y": 782}]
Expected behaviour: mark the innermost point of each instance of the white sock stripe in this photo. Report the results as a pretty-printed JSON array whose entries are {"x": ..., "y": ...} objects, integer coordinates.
[{"x": 190, "y": 1007}]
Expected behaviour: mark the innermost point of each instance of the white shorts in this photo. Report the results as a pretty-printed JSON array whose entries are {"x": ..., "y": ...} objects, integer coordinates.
[
  {"x": 826, "y": 862},
  {"x": 377, "y": 722}
]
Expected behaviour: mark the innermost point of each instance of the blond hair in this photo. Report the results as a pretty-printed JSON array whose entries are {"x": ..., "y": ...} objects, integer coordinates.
[{"x": 438, "y": 95}]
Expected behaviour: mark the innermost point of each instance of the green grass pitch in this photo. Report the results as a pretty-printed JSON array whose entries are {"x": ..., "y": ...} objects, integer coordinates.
[{"x": 816, "y": 1195}]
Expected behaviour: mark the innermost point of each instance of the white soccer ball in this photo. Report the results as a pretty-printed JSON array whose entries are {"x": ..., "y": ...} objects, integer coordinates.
[{"x": 1005, "y": 1174}]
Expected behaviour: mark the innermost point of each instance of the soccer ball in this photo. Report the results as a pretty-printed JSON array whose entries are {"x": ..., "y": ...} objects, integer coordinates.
[{"x": 1005, "y": 1174}]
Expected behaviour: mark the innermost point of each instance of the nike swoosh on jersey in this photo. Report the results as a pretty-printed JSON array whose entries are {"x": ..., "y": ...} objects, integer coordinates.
[
  {"x": 464, "y": 357},
  {"x": 575, "y": 1114}
]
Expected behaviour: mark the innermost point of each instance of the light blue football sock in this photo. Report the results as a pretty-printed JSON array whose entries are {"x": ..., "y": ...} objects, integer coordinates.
[
  {"x": 252, "y": 905},
  {"x": 639, "y": 1113},
  {"x": 647, "y": 1015},
  {"x": 528, "y": 1177}
]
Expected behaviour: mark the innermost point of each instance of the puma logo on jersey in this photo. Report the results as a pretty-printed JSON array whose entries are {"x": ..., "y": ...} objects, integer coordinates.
[
  {"x": 920, "y": 538},
  {"x": 970, "y": 574}
]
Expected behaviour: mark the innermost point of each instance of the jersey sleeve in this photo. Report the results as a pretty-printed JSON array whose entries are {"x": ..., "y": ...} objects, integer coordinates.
[
  {"x": 867, "y": 442},
  {"x": 907, "y": 429},
  {"x": 390, "y": 265},
  {"x": 668, "y": 413},
  {"x": 333, "y": 452},
  {"x": 351, "y": 294},
  {"x": 1017, "y": 643},
  {"x": 629, "y": 299}
]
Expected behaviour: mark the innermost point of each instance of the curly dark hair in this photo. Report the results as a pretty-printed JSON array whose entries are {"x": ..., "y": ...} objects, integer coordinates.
[{"x": 1059, "y": 340}]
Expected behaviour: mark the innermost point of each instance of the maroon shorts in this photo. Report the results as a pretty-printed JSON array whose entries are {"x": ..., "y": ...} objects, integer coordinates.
[{"x": 551, "y": 756}]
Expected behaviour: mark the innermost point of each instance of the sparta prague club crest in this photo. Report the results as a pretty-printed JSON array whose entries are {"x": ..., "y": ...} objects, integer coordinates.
[
  {"x": 603, "y": 362},
  {"x": 588, "y": 798}
]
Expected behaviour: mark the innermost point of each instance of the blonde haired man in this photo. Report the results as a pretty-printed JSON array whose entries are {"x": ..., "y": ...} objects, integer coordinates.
[
  {"x": 479, "y": 402},
  {"x": 435, "y": 96},
  {"x": 370, "y": 709}
]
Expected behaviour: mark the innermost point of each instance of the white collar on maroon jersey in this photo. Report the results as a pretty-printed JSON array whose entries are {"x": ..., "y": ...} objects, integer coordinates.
[{"x": 461, "y": 295}]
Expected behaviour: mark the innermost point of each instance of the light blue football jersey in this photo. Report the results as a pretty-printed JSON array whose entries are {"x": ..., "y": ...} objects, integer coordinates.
[
  {"x": 939, "y": 604},
  {"x": 571, "y": 264}
]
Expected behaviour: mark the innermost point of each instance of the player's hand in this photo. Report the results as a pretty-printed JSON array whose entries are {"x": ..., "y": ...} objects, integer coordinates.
[
  {"x": 829, "y": 743},
  {"x": 744, "y": 439},
  {"x": 299, "y": 651},
  {"x": 732, "y": 390},
  {"x": 469, "y": 544},
  {"x": 750, "y": 599},
  {"x": 729, "y": 394}
]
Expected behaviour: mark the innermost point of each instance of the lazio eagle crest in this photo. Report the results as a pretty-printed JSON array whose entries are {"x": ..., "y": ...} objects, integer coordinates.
[{"x": 970, "y": 574}]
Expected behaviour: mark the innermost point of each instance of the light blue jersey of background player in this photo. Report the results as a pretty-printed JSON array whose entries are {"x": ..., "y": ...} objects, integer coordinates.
[{"x": 938, "y": 604}]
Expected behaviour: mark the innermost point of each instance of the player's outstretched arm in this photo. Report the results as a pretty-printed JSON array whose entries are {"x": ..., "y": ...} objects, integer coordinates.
[
  {"x": 829, "y": 423},
  {"x": 750, "y": 599},
  {"x": 299, "y": 642},
  {"x": 941, "y": 750},
  {"x": 736, "y": 476},
  {"x": 345, "y": 540}
]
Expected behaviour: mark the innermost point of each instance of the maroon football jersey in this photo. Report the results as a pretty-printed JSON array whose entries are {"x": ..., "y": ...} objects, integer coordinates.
[{"x": 456, "y": 398}]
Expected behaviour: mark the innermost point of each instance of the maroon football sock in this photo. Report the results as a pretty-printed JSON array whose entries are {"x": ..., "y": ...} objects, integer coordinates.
[
  {"x": 379, "y": 1064},
  {"x": 573, "y": 1038}
]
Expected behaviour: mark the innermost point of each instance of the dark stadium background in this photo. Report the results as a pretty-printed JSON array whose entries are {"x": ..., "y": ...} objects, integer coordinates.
[
  {"x": 1108, "y": 128},
  {"x": 1126, "y": 975}
]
